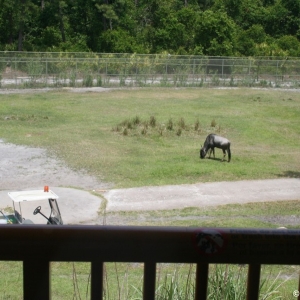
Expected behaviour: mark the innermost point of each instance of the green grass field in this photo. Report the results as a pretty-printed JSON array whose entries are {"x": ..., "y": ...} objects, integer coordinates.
[
  {"x": 140, "y": 137},
  {"x": 98, "y": 132}
]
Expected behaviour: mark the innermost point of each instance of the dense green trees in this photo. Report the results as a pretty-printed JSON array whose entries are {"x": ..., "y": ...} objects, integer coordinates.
[{"x": 208, "y": 27}]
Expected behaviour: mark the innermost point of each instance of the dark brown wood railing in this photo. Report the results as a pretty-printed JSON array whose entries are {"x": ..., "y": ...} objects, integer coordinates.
[{"x": 38, "y": 245}]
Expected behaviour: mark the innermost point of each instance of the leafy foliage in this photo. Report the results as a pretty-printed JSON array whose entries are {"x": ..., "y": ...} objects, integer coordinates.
[{"x": 219, "y": 27}]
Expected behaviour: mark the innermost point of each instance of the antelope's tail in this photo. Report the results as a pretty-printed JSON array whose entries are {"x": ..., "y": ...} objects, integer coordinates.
[{"x": 229, "y": 153}]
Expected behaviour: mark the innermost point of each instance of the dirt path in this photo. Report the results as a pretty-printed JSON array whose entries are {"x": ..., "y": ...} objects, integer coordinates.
[
  {"x": 24, "y": 167},
  {"x": 202, "y": 194}
]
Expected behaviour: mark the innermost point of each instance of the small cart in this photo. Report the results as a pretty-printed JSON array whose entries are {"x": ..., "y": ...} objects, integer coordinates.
[{"x": 23, "y": 202}]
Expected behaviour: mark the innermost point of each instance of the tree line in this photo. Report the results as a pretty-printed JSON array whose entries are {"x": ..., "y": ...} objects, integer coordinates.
[{"x": 183, "y": 27}]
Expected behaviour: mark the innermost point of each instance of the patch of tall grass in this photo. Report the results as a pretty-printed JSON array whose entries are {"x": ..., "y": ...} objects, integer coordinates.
[{"x": 177, "y": 282}]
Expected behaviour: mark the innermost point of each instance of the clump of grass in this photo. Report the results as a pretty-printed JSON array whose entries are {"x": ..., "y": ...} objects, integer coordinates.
[
  {"x": 197, "y": 125},
  {"x": 118, "y": 128},
  {"x": 144, "y": 130},
  {"x": 72, "y": 82},
  {"x": 88, "y": 80},
  {"x": 269, "y": 286},
  {"x": 146, "y": 124},
  {"x": 161, "y": 130},
  {"x": 177, "y": 286},
  {"x": 213, "y": 123},
  {"x": 227, "y": 282},
  {"x": 152, "y": 121},
  {"x": 99, "y": 81},
  {"x": 179, "y": 132},
  {"x": 142, "y": 127},
  {"x": 130, "y": 124},
  {"x": 182, "y": 123},
  {"x": 28, "y": 118},
  {"x": 136, "y": 120},
  {"x": 170, "y": 125},
  {"x": 127, "y": 124}
]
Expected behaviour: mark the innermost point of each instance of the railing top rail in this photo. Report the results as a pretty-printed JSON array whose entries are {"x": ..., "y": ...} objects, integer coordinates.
[{"x": 159, "y": 244}]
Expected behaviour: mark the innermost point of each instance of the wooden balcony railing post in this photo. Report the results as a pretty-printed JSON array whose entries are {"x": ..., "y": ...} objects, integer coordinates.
[
  {"x": 253, "y": 281},
  {"x": 36, "y": 279},
  {"x": 96, "y": 280},
  {"x": 201, "y": 281},
  {"x": 299, "y": 287},
  {"x": 149, "y": 281}
]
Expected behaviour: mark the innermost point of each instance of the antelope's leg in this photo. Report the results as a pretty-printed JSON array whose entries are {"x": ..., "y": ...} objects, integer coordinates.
[
  {"x": 224, "y": 154},
  {"x": 210, "y": 150}
]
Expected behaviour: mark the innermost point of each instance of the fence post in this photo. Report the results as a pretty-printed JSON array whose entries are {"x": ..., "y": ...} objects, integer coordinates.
[
  {"x": 193, "y": 71},
  {"x": 46, "y": 72},
  {"x": 222, "y": 68}
]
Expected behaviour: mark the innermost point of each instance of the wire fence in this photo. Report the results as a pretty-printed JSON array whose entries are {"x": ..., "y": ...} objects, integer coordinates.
[{"x": 47, "y": 69}]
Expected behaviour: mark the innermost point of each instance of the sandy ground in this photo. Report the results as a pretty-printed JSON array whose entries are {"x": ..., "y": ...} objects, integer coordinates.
[{"x": 81, "y": 195}]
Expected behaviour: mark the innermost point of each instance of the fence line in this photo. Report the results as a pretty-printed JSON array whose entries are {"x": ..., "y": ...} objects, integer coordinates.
[{"x": 34, "y": 70}]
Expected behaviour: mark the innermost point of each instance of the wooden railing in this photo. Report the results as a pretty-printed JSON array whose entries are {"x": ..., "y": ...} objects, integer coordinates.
[{"x": 37, "y": 246}]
